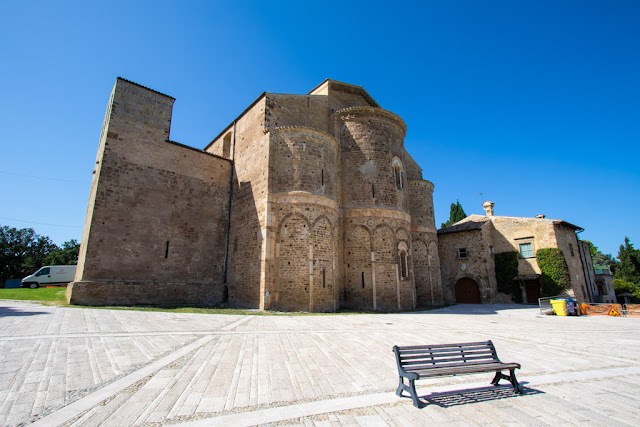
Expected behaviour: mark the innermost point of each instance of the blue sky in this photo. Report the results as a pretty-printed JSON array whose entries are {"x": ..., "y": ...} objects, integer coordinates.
[{"x": 535, "y": 104}]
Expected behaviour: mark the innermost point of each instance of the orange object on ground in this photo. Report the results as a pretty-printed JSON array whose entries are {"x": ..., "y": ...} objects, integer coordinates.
[
  {"x": 633, "y": 310},
  {"x": 601, "y": 309}
]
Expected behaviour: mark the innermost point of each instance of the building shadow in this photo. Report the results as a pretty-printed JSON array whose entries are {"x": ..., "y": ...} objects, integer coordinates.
[
  {"x": 14, "y": 312},
  {"x": 476, "y": 395},
  {"x": 474, "y": 309}
]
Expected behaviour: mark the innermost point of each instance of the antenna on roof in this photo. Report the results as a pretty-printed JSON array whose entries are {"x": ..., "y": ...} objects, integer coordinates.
[{"x": 481, "y": 195}]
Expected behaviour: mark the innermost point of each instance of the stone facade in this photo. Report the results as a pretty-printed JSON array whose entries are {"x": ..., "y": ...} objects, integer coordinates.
[
  {"x": 303, "y": 203},
  {"x": 156, "y": 222},
  {"x": 468, "y": 248}
]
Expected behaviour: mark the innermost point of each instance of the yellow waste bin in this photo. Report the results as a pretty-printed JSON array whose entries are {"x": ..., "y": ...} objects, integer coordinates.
[{"x": 559, "y": 307}]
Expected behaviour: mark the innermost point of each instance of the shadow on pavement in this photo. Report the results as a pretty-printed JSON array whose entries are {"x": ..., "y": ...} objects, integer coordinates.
[
  {"x": 8, "y": 311},
  {"x": 476, "y": 309},
  {"x": 476, "y": 395}
]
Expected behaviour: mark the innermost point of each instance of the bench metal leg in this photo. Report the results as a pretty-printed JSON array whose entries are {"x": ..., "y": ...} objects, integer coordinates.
[
  {"x": 411, "y": 389},
  {"x": 514, "y": 382},
  {"x": 511, "y": 378}
]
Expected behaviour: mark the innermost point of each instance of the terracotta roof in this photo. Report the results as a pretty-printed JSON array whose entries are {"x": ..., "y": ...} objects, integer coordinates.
[{"x": 465, "y": 225}]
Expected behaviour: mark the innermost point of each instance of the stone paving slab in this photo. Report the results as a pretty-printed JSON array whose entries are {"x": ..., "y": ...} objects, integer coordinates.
[{"x": 71, "y": 366}]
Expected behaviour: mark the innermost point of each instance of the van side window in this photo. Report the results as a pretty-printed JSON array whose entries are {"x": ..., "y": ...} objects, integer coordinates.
[{"x": 43, "y": 272}]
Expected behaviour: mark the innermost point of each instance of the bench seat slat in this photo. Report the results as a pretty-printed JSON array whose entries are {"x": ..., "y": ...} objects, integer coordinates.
[
  {"x": 448, "y": 365},
  {"x": 468, "y": 369}
]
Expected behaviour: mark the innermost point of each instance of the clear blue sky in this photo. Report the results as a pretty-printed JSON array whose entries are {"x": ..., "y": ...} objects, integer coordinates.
[{"x": 536, "y": 104}]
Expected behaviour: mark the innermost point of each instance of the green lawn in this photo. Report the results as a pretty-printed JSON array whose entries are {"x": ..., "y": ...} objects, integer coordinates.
[
  {"x": 57, "y": 296},
  {"x": 51, "y": 295}
]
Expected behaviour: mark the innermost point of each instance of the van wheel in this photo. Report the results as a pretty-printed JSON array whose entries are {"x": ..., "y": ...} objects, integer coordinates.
[{"x": 33, "y": 285}]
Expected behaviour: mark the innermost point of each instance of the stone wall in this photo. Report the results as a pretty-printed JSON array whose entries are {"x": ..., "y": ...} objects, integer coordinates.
[
  {"x": 478, "y": 264},
  {"x": 374, "y": 239},
  {"x": 304, "y": 159},
  {"x": 127, "y": 239},
  {"x": 309, "y": 111},
  {"x": 249, "y": 150},
  {"x": 370, "y": 138},
  {"x": 306, "y": 241},
  {"x": 426, "y": 261},
  {"x": 568, "y": 242},
  {"x": 318, "y": 206}
]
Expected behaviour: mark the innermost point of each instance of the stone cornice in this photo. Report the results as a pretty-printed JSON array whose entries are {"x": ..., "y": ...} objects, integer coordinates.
[
  {"x": 372, "y": 110},
  {"x": 303, "y": 197},
  {"x": 423, "y": 229},
  {"x": 423, "y": 182},
  {"x": 376, "y": 212}
]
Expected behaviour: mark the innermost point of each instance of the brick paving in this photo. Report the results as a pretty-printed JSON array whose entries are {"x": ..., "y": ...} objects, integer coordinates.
[{"x": 84, "y": 367}]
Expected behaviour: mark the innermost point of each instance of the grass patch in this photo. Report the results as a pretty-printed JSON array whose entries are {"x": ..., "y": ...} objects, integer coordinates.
[
  {"x": 49, "y": 295},
  {"x": 57, "y": 296}
]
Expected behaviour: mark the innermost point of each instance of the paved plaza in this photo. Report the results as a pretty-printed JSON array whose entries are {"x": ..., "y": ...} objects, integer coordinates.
[{"x": 87, "y": 367}]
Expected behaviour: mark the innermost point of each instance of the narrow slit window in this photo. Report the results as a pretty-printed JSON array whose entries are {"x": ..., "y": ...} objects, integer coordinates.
[
  {"x": 324, "y": 278},
  {"x": 322, "y": 176},
  {"x": 373, "y": 191},
  {"x": 166, "y": 250},
  {"x": 363, "y": 280},
  {"x": 404, "y": 267},
  {"x": 398, "y": 176}
]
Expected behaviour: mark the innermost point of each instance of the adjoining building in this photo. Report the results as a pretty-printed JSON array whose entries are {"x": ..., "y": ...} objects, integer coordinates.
[
  {"x": 468, "y": 251},
  {"x": 303, "y": 203},
  {"x": 604, "y": 285}
]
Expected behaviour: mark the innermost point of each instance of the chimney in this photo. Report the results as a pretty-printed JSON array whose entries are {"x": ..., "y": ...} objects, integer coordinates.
[
  {"x": 541, "y": 216},
  {"x": 488, "y": 208}
]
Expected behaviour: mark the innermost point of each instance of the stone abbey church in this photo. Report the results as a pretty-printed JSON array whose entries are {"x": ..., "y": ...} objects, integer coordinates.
[{"x": 303, "y": 203}]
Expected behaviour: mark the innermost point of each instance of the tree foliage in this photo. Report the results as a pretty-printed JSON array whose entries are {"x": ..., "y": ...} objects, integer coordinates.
[
  {"x": 555, "y": 277},
  {"x": 22, "y": 252},
  {"x": 456, "y": 214},
  {"x": 506, "y": 264},
  {"x": 622, "y": 286},
  {"x": 629, "y": 268},
  {"x": 601, "y": 261}
]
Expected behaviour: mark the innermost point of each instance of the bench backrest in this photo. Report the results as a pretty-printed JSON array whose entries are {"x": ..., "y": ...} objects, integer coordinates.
[{"x": 442, "y": 355}]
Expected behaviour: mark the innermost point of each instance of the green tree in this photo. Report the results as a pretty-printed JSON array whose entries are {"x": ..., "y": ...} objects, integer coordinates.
[
  {"x": 22, "y": 252},
  {"x": 456, "y": 214},
  {"x": 601, "y": 261},
  {"x": 14, "y": 249},
  {"x": 38, "y": 253},
  {"x": 629, "y": 268},
  {"x": 66, "y": 255},
  {"x": 621, "y": 286}
]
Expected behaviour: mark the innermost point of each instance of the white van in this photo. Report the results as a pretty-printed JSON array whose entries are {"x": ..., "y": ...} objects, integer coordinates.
[{"x": 50, "y": 275}]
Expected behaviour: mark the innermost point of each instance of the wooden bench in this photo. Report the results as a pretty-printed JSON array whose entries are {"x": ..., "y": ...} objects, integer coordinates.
[{"x": 424, "y": 361}]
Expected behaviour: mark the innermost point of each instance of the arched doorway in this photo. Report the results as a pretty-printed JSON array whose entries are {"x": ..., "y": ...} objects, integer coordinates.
[{"x": 467, "y": 291}]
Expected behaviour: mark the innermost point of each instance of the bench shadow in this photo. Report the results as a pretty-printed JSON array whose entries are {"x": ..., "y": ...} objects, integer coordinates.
[
  {"x": 13, "y": 312},
  {"x": 476, "y": 395}
]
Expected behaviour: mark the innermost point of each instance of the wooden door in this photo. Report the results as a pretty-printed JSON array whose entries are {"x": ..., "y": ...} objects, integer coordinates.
[
  {"x": 467, "y": 291},
  {"x": 532, "y": 288}
]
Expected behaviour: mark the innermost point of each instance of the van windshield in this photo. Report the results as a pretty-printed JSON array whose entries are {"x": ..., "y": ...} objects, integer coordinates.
[{"x": 43, "y": 271}]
